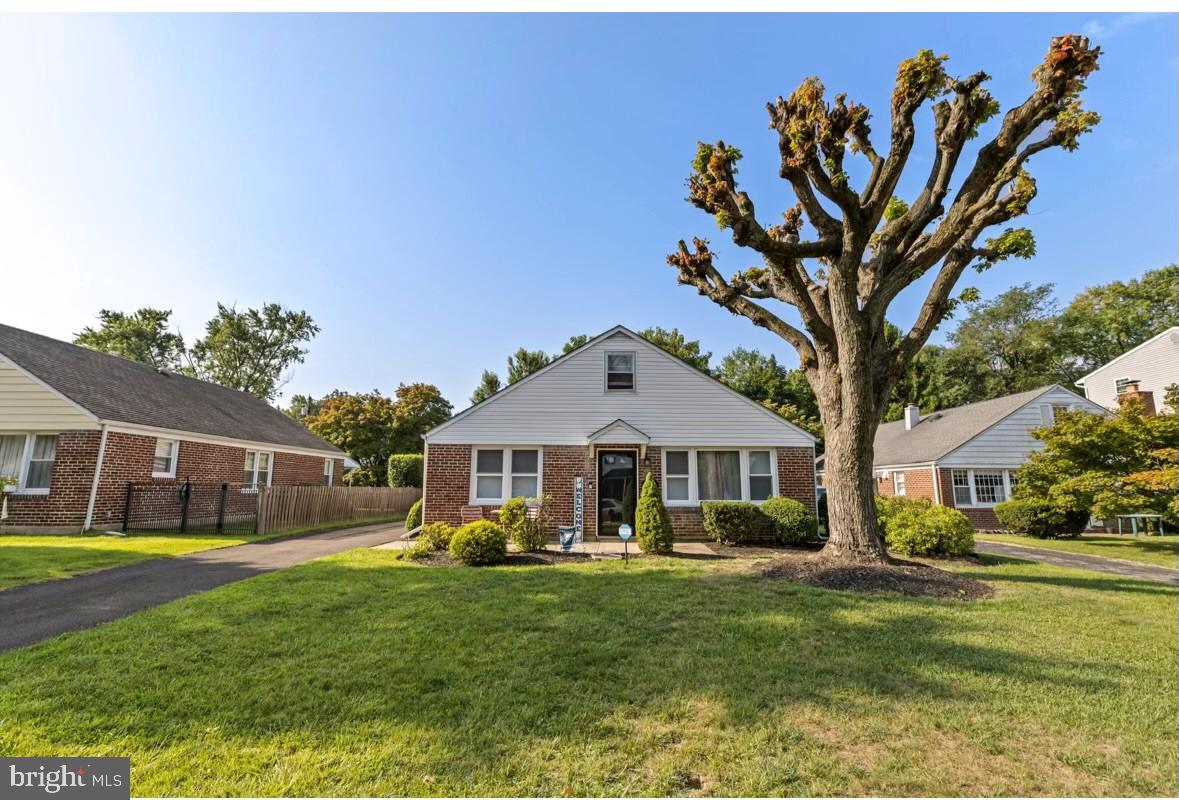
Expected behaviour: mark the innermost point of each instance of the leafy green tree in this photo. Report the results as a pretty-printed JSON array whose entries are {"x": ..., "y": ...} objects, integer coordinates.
[
  {"x": 574, "y": 342},
  {"x": 653, "y": 530},
  {"x": 251, "y": 350},
  {"x": 301, "y": 406},
  {"x": 142, "y": 336},
  {"x": 759, "y": 377},
  {"x": 363, "y": 425},
  {"x": 523, "y": 363},
  {"x": 674, "y": 342},
  {"x": 489, "y": 384},
  {"x": 1123, "y": 463},
  {"x": 843, "y": 254},
  {"x": 1105, "y": 321},
  {"x": 418, "y": 408}
]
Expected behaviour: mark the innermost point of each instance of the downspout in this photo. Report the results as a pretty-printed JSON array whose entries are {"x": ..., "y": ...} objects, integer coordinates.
[
  {"x": 94, "y": 483},
  {"x": 937, "y": 493}
]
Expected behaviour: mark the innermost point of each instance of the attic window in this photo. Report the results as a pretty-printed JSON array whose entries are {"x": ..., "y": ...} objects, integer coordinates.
[{"x": 620, "y": 372}]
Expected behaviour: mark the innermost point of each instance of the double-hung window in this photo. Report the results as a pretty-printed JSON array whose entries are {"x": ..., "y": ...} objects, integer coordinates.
[
  {"x": 988, "y": 487},
  {"x": 694, "y": 476},
  {"x": 961, "y": 480},
  {"x": 981, "y": 487},
  {"x": 898, "y": 483},
  {"x": 620, "y": 372},
  {"x": 501, "y": 473},
  {"x": 163, "y": 465},
  {"x": 257, "y": 469},
  {"x": 329, "y": 467},
  {"x": 28, "y": 459}
]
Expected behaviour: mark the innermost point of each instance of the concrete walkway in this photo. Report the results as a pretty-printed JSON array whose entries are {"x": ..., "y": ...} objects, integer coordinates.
[
  {"x": 41, "y": 611},
  {"x": 1115, "y": 566}
]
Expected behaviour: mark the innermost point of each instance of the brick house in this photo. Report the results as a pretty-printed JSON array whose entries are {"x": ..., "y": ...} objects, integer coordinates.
[
  {"x": 966, "y": 457},
  {"x": 589, "y": 427},
  {"x": 77, "y": 426}
]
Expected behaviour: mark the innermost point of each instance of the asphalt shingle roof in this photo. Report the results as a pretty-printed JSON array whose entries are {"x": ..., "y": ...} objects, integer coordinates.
[
  {"x": 939, "y": 432},
  {"x": 117, "y": 390}
]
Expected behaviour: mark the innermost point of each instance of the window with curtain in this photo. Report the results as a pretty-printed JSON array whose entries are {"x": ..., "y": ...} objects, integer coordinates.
[
  {"x": 675, "y": 479},
  {"x": 164, "y": 463},
  {"x": 12, "y": 451},
  {"x": 718, "y": 474},
  {"x": 257, "y": 468},
  {"x": 620, "y": 371},
  {"x": 898, "y": 484},
  {"x": 761, "y": 479},
  {"x": 41, "y": 462}
]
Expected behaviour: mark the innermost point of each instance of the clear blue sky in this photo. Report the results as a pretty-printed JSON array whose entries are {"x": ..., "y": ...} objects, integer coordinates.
[{"x": 439, "y": 190}]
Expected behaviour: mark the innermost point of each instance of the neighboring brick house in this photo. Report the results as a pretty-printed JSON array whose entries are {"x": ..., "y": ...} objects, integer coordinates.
[
  {"x": 966, "y": 457},
  {"x": 77, "y": 426},
  {"x": 603, "y": 417}
]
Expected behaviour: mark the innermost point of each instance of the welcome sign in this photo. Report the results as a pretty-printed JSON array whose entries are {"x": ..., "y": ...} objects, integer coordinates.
[{"x": 578, "y": 507}]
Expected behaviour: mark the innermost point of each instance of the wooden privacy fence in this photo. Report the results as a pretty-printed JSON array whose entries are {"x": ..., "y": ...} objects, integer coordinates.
[{"x": 283, "y": 508}]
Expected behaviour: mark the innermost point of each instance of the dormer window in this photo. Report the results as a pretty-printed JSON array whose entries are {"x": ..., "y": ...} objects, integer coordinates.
[{"x": 620, "y": 372}]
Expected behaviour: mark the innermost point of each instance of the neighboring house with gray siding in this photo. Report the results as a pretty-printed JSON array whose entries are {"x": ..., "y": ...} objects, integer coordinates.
[
  {"x": 1147, "y": 369},
  {"x": 966, "y": 457}
]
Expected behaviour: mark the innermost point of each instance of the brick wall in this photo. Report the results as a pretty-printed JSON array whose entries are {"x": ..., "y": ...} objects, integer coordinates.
[
  {"x": 448, "y": 483},
  {"x": 983, "y": 519},
  {"x": 918, "y": 483},
  {"x": 64, "y": 508}
]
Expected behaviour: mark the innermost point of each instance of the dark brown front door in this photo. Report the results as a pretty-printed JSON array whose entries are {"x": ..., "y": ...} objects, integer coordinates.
[{"x": 617, "y": 492}]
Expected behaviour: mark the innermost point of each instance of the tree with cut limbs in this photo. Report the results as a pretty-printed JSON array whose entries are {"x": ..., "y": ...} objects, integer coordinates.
[{"x": 870, "y": 245}]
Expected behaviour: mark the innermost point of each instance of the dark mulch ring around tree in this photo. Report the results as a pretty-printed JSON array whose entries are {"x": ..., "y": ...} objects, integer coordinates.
[
  {"x": 441, "y": 558},
  {"x": 905, "y": 577}
]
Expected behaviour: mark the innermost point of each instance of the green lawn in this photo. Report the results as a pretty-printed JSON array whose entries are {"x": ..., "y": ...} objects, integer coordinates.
[
  {"x": 28, "y": 559},
  {"x": 1161, "y": 551},
  {"x": 359, "y": 675}
]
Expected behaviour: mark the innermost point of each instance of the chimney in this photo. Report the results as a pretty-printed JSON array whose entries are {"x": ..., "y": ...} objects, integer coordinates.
[
  {"x": 912, "y": 416},
  {"x": 1130, "y": 391}
]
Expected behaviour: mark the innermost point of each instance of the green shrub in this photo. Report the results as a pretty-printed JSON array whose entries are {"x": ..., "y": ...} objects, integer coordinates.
[
  {"x": 361, "y": 476},
  {"x": 437, "y": 535},
  {"x": 793, "y": 522},
  {"x": 479, "y": 542},
  {"x": 925, "y": 529},
  {"x": 528, "y": 531},
  {"x": 735, "y": 522},
  {"x": 1035, "y": 516},
  {"x": 419, "y": 548},
  {"x": 889, "y": 507},
  {"x": 414, "y": 517},
  {"x": 652, "y": 523},
  {"x": 405, "y": 469}
]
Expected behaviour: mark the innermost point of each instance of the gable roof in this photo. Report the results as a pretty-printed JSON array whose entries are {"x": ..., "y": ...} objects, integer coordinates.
[
  {"x": 1174, "y": 332},
  {"x": 114, "y": 389},
  {"x": 622, "y": 427},
  {"x": 940, "y": 432},
  {"x": 617, "y": 329}
]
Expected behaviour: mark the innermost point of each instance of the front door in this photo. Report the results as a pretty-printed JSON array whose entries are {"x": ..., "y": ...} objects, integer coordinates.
[{"x": 617, "y": 492}]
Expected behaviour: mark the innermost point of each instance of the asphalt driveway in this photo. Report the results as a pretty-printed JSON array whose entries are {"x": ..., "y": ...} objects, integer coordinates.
[
  {"x": 40, "y": 611},
  {"x": 1115, "y": 566}
]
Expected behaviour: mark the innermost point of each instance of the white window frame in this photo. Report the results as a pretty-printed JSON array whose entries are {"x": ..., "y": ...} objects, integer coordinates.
[
  {"x": 898, "y": 483},
  {"x": 329, "y": 471},
  {"x": 253, "y": 486},
  {"x": 974, "y": 502},
  {"x": 26, "y": 458},
  {"x": 175, "y": 456},
  {"x": 693, "y": 481},
  {"x": 634, "y": 371},
  {"x": 505, "y": 490}
]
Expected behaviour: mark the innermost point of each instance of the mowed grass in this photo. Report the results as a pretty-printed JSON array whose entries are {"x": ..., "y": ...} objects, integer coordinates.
[
  {"x": 359, "y": 675},
  {"x": 1160, "y": 551},
  {"x": 29, "y": 559}
]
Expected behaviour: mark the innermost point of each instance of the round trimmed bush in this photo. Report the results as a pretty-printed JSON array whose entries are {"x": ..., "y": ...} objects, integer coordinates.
[
  {"x": 478, "y": 543},
  {"x": 414, "y": 517},
  {"x": 652, "y": 522},
  {"x": 925, "y": 529},
  {"x": 437, "y": 535},
  {"x": 405, "y": 469},
  {"x": 793, "y": 522},
  {"x": 736, "y": 522},
  {"x": 1035, "y": 516}
]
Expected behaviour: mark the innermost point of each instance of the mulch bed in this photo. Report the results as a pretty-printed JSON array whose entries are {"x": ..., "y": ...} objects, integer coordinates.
[
  {"x": 441, "y": 558},
  {"x": 906, "y": 577}
]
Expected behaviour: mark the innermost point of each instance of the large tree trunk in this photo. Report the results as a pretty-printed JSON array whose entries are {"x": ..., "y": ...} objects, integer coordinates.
[{"x": 848, "y": 402}]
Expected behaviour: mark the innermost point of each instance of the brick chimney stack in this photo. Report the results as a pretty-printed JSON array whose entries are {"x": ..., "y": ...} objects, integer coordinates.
[{"x": 1130, "y": 391}]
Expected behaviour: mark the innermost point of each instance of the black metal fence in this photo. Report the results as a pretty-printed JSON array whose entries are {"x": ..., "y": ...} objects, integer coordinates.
[{"x": 189, "y": 507}]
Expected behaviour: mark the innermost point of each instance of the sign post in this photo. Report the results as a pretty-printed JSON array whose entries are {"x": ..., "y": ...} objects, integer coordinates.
[{"x": 624, "y": 533}]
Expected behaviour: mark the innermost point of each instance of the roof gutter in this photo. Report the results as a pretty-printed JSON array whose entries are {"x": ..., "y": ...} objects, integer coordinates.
[{"x": 94, "y": 483}]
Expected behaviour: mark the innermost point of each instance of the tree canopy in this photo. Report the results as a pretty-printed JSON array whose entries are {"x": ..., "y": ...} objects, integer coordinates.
[
  {"x": 489, "y": 384},
  {"x": 142, "y": 336},
  {"x": 674, "y": 342}
]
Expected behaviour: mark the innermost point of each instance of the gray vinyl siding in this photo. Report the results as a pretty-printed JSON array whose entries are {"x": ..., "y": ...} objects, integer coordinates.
[
  {"x": 672, "y": 403},
  {"x": 26, "y": 405},
  {"x": 1008, "y": 442},
  {"x": 1155, "y": 364}
]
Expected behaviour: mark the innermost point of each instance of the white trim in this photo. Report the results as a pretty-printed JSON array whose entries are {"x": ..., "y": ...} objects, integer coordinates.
[
  {"x": 329, "y": 470},
  {"x": 898, "y": 489},
  {"x": 937, "y": 490},
  {"x": 634, "y": 370},
  {"x": 94, "y": 482},
  {"x": 1081, "y": 381},
  {"x": 1004, "y": 472},
  {"x": 172, "y": 458},
  {"x": 208, "y": 438},
  {"x": 639, "y": 436},
  {"x": 693, "y": 475},
  {"x": 26, "y": 459},
  {"x": 252, "y": 486},
  {"x": 642, "y": 343},
  {"x": 506, "y": 475}
]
